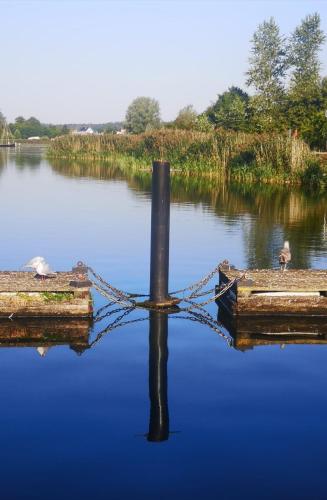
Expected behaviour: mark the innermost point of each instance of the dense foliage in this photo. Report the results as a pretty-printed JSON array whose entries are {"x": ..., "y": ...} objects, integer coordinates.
[
  {"x": 186, "y": 118},
  {"x": 142, "y": 114},
  {"x": 229, "y": 154},
  {"x": 23, "y": 129},
  {"x": 268, "y": 64},
  {"x": 289, "y": 94},
  {"x": 231, "y": 110}
]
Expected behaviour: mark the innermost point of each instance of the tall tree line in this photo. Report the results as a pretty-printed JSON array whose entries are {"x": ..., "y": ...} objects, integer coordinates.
[{"x": 288, "y": 90}]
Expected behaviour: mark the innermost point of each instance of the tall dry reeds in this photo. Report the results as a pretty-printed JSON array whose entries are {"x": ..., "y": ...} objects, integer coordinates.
[{"x": 224, "y": 153}]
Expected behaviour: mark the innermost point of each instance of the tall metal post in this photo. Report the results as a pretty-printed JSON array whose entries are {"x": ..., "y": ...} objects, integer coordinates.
[
  {"x": 158, "y": 359},
  {"x": 160, "y": 215}
]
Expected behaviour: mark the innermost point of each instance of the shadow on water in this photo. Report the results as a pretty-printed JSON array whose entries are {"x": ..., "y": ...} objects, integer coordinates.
[{"x": 268, "y": 214}]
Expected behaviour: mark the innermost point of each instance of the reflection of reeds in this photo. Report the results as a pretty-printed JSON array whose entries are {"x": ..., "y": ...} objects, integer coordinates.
[
  {"x": 275, "y": 202},
  {"x": 267, "y": 212},
  {"x": 221, "y": 153}
]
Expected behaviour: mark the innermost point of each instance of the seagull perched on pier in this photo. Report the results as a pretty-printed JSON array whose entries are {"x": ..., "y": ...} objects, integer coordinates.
[
  {"x": 285, "y": 255},
  {"x": 41, "y": 267}
]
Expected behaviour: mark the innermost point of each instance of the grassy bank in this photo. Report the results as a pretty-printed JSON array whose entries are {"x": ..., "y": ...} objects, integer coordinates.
[{"x": 230, "y": 155}]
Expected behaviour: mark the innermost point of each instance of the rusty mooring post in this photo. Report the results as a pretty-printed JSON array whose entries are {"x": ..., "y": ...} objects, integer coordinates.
[
  {"x": 158, "y": 359},
  {"x": 160, "y": 215}
]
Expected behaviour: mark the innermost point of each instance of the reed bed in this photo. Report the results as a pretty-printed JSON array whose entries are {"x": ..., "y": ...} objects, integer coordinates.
[{"x": 232, "y": 155}]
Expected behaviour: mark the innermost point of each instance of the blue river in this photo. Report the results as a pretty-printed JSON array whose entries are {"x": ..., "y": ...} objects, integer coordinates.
[{"x": 240, "y": 419}]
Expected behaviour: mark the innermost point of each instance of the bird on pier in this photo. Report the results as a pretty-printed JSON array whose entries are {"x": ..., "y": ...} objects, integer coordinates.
[
  {"x": 41, "y": 267},
  {"x": 33, "y": 262},
  {"x": 285, "y": 256}
]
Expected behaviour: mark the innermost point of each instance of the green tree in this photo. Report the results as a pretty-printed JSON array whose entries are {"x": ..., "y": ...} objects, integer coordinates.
[
  {"x": 17, "y": 134},
  {"x": 230, "y": 110},
  {"x": 142, "y": 114},
  {"x": 19, "y": 119},
  {"x": 33, "y": 127},
  {"x": 306, "y": 102},
  {"x": 203, "y": 124},
  {"x": 186, "y": 118},
  {"x": 313, "y": 127},
  {"x": 268, "y": 65}
]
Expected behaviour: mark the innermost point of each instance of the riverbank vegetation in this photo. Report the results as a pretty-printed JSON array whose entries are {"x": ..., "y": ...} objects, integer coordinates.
[
  {"x": 230, "y": 155},
  {"x": 268, "y": 136}
]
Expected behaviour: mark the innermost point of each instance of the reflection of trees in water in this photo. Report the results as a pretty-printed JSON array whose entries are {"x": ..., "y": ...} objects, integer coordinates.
[
  {"x": 269, "y": 214},
  {"x": 25, "y": 159},
  {"x": 87, "y": 169},
  {"x": 3, "y": 159}
]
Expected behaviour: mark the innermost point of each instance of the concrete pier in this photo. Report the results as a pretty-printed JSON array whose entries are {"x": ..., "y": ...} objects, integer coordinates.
[
  {"x": 65, "y": 294},
  {"x": 294, "y": 292}
]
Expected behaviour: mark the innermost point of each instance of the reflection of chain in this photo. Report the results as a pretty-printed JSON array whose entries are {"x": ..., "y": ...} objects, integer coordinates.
[
  {"x": 194, "y": 311},
  {"x": 116, "y": 324},
  {"x": 213, "y": 324},
  {"x": 109, "y": 313},
  {"x": 200, "y": 316}
]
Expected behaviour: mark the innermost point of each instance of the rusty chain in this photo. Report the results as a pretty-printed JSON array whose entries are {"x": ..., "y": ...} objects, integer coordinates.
[{"x": 126, "y": 299}]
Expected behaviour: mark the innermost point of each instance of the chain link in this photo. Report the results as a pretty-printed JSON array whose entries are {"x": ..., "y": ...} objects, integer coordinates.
[
  {"x": 194, "y": 310},
  {"x": 118, "y": 296}
]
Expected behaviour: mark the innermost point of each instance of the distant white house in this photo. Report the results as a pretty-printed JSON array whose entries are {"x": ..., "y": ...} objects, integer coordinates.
[
  {"x": 85, "y": 131},
  {"x": 122, "y": 131}
]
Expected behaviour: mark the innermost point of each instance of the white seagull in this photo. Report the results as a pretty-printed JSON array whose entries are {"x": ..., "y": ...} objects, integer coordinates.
[
  {"x": 34, "y": 262},
  {"x": 41, "y": 267}
]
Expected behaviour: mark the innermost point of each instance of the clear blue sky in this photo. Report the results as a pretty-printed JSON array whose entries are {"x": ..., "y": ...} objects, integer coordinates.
[{"x": 85, "y": 61}]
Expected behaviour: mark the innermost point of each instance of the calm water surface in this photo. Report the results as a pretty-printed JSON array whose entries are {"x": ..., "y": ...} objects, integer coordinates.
[{"x": 244, "y": 421}]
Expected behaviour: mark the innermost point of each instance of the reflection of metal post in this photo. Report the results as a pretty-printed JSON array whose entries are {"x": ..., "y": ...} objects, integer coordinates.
[
  {"x": 160, "y": 213},
  {"x": 158, "y": 358}
]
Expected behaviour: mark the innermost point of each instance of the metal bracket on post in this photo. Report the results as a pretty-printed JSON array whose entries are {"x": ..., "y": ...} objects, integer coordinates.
[{"x": 81, "y": 280}]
